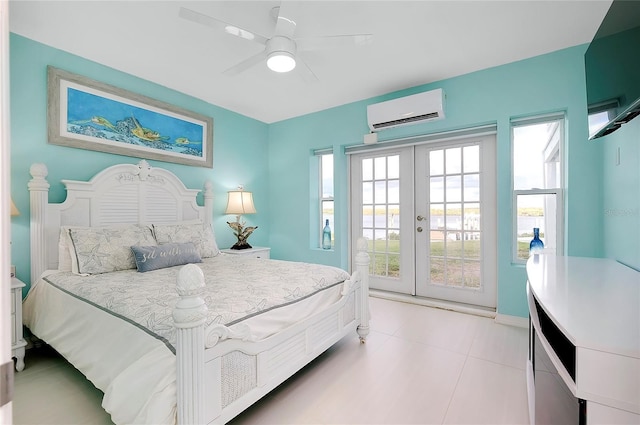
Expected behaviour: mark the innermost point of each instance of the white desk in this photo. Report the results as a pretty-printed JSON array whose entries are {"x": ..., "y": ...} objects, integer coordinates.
[{"x": 595, "y": 303}]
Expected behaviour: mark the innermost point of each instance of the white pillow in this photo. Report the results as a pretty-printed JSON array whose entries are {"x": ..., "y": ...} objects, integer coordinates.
[
  {"x": 108, "y": 249},
  {"x": 199, "y": 234},
  {"x": 64, "y": 255},
  {"x": 67, "y": 259}
]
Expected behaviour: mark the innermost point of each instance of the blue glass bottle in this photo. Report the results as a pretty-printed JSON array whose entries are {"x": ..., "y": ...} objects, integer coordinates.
[
  {"x": 326, "y": 236},
  {"x": 536, "y": 245}
]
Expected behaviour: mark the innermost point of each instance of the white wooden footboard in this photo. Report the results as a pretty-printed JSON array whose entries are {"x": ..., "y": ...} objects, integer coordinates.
[{"x": 219, "y": 375}]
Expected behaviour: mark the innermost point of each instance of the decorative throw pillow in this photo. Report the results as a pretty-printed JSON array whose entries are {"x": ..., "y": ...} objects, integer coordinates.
[
  {"x": 168, "y": 255},
  {"x": 199, "y": 234},
  {"x": 108, "y": 249}
]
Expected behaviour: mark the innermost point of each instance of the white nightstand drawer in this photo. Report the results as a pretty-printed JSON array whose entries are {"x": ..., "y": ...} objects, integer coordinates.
[{"x": 17, "y": 341}]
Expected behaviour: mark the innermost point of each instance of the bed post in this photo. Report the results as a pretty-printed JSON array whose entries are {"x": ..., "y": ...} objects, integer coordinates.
[
  {"x": 208, "y": 202},
  {"x": 189, "y": 316},
  {"x": 38, "y": 199},
  {"x": 362, "y": 266}
]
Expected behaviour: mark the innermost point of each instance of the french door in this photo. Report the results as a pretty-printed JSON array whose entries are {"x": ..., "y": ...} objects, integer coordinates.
[{"x": 429, "y": 214}]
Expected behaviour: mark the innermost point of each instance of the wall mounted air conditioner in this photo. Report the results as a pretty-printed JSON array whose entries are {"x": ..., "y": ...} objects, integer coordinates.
[{"x": 414, "y": 109}]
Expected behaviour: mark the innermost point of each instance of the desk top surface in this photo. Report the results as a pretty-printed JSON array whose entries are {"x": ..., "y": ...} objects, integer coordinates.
[{"x": 594, "y": 301}]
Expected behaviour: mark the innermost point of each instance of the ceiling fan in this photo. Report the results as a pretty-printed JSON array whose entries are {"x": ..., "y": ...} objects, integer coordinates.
[{"x": 281, "y": 51}]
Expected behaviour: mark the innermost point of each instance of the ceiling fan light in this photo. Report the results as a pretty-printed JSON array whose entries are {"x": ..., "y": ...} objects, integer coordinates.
[{"x": 281, "y": 61}]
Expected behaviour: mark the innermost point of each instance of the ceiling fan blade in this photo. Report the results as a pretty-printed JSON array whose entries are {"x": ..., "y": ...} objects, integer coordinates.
[
  {"x": 333, "y": 41},
  {"x": 285, "y": 25},
  {"x": 305, "y": 72},
  {"x": 219, "y": 25},
  {"x": 246, "y": 64}
]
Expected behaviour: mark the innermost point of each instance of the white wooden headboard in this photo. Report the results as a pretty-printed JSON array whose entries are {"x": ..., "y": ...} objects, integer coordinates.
[{"x": 120, "y": 194}]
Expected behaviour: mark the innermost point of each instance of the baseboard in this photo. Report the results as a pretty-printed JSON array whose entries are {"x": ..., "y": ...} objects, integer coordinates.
[
  {"x": 505, "y": 319},
  {"x": 429, "y": 302}
]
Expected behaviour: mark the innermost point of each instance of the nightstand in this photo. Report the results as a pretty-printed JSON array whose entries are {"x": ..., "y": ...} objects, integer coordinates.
[
  {"x": 255, "y": 252},
  {"x": 17, "y": 341}
]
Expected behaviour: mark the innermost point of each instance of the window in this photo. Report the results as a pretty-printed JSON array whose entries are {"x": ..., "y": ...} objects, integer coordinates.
[
  {"x": 537, "y": 147},
  {"x": 326, "y": 194}
]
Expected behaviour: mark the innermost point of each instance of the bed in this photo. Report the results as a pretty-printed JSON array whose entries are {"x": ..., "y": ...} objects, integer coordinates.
[{"x": 187, "y": 335}]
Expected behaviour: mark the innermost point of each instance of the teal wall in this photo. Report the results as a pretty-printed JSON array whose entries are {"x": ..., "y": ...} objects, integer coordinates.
[
  {"x": 274, "y": 160},
  {"x": 239, "y": 145},
  {"x": 620, "y": 212},
  {"x": 548, "y": 83}
]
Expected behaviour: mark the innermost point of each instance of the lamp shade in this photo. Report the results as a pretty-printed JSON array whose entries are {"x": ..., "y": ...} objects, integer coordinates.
[
  {"x": 14, "y": 209},
  {"x": 240, "y": 202}
]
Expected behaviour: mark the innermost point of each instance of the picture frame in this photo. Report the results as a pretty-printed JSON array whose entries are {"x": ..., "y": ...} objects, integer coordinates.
[{"x": 88, "y": 114}]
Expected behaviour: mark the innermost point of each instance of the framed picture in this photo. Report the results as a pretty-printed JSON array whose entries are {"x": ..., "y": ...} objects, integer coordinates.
[{"x": 87, "y": 114}]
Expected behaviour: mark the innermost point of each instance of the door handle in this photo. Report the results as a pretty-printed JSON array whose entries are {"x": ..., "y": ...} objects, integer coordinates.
[
  {"x": 419, "y": 229},
  {"x": 419, "y": 218}
]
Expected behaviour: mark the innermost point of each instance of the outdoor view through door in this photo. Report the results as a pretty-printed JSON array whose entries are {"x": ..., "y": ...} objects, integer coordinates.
[
  {"x": 381, "y": 213},
  {"x": 454, "y": 225},
  {"x": 428, "y": 212}
]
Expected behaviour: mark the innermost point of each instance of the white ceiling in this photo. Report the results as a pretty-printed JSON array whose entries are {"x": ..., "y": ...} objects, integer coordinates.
[{"x": 414, "y": 43}]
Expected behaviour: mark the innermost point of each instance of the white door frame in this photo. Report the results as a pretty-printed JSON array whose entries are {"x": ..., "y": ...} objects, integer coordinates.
[
  {"x": 489, "y": 226},
  {"x": 485, "y": 295},
  {"x": 5, "y": 229},
  {"x": 405, "y": 283}
]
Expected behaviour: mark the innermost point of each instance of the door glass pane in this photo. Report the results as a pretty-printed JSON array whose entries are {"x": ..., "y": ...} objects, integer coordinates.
[
  {"x": 455, "y": 227},
  {"x": 393, "y": 268},
  {"x": 394, "y": 167},
  {"x": 436, "y": 219},
  {"x": 380, "y": 218},
  {"x": 394, "y": 191},
  {"x": 472, "y": 274},
  {"x": 472, "y": 245},
  {"x": 381, "y": 214},
  {"x": 437, "y": 270},
  {"x": 367, "y": 169},
  {"x": 471, "y": 159},
  {"x": 367, "y": 192},
  {"x": 472, "y": 187},
  {"x": 453, "y": 218},
  {"x": 453, "y": 189},
  {"x": 436, "y": 189},
  {"x": 381, "y": 240},
  {"x": 471, "y": 234},
  {"x": 453, "y": 160},
  {"x": 455, "y": 272},
  {"x": 380, "y": 168},
  {"x": 436, "y": 162},
  {"x": 393, "y": 216},
  {"x": 380, "y": 195}
]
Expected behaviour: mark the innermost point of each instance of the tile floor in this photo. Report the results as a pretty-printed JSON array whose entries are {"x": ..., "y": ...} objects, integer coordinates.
[{"x": 420, "y": 365}]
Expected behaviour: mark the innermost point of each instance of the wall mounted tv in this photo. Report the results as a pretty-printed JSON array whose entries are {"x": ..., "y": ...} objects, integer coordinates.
[{"x": 612, "y": 68}]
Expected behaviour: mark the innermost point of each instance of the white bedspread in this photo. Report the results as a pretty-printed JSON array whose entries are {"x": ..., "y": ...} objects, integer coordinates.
[{"x": 132, "y": 360}]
